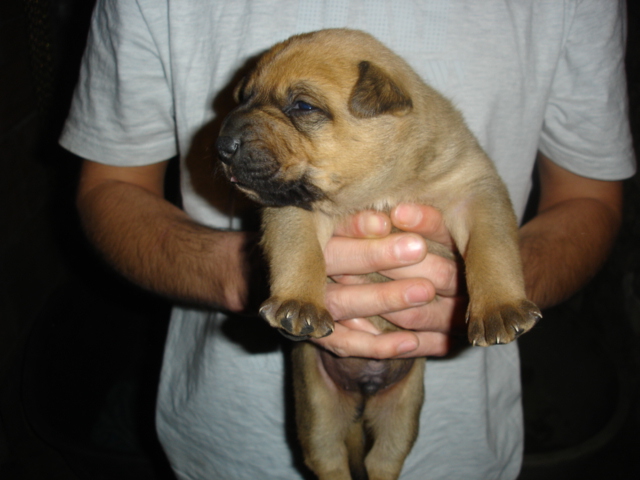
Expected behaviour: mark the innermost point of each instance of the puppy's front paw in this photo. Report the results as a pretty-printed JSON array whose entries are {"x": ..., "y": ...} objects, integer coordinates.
[
  {"x": 503, "y": 324},
  {"x": 296, "y": 319}
]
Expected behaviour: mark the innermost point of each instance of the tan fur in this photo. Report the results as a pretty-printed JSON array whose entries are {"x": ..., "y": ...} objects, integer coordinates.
[{"x": 376, "y": 136}]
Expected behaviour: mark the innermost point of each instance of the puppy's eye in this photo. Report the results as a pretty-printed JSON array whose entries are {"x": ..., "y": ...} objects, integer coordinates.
[
  {"x": 303, "y": 106},
  {"x": 300, "y": 107},
  {"x": 305, "y": 116}
]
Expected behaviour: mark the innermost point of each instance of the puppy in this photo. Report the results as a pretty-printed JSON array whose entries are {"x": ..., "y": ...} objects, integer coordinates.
[{"x": 328, "y": 124}]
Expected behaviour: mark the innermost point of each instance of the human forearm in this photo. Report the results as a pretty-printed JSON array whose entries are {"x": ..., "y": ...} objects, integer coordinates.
[
  {"x": 157, "y": 246},
  {"x": 569, "y": 239},
  {"x": 558, "y": 261}
]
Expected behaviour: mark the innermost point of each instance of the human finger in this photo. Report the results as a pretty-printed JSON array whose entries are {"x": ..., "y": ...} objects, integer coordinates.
[
  {"x": 346, "y": 301},
  {"x": 348, "y": 342},
  {"x": 445, "y": 315},
  {"x": 362, "y": 324},
  {"x": 365, "y": 224},
  {"x": 360, "y": 256},
  {"x": 444, "y": 273},
  {"x": 432, "y": 344},
  {"x": 422, "y": 219}
]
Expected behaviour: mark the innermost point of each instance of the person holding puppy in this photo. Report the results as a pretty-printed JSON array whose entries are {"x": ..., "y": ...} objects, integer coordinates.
[{"x": 532, "y": 79}]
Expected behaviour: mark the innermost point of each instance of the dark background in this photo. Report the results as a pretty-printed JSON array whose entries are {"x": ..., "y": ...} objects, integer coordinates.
[{"x": 80, "y": 349}]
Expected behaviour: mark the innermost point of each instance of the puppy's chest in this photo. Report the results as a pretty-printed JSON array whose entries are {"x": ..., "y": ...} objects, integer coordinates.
[
  {"x": 382, "y": 203},
  {"x": 387, "y": 203},
  {"x": 407, "y": 190}
]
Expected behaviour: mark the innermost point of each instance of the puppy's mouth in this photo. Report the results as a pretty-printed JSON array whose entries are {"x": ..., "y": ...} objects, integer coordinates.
[
  {"x": 237, "y": 183},
  {"x": 269, "y": 189}
]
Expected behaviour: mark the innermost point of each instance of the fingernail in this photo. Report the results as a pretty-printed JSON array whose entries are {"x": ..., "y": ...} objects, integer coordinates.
[
  {"x": 416, "y": 295},
  {"x": 373, "y": 224},
  {"x": 407, "y": 215},
  {"x": 408, "y": 248},
  {"x": 406, "y": 347}
]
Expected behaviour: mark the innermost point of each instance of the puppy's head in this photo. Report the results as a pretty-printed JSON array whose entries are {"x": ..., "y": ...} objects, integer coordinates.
[{"x": 321, "y": 113}]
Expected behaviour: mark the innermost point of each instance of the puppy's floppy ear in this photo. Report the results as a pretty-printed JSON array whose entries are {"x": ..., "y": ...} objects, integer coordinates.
[
  {"x": 238, "y": 91},
  {"x": 376, "y": 93}
]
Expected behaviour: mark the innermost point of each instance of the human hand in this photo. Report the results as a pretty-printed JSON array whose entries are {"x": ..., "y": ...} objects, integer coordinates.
[{"x": 425, "y": 296}]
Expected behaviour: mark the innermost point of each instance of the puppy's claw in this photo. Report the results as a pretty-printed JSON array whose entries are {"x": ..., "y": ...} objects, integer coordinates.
[
  {"x": 503, "y": 324},
  {"x": 307, "y": 328},
  {"x": 297, "y": 319},
  {"x": 295, "y": 338}
]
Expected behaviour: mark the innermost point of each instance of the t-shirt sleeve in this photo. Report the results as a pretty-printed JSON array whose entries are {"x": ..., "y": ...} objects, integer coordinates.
[
  {"x": 586, "y": 128},
  {"x": 122, "y": 109}
]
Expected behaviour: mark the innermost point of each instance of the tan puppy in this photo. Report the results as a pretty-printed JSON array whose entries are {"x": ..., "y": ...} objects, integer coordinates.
[{"x": 331, "y": 123}]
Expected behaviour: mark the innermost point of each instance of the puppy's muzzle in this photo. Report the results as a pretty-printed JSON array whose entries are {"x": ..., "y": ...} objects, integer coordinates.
[
  {"x": 254, "y": 170},
  {"x": 233, "y": 138}
]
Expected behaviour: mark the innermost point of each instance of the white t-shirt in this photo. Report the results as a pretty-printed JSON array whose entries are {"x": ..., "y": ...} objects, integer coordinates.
[{"x": 527, "y": 75}]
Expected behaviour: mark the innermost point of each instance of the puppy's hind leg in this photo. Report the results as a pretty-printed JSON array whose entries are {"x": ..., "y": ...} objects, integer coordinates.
[
  {"x": 391, "y": 417},
  {"x": 327, "y": 418}
]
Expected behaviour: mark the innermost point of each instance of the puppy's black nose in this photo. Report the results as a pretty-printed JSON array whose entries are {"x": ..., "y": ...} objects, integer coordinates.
[{"x": 227, "y": 147}]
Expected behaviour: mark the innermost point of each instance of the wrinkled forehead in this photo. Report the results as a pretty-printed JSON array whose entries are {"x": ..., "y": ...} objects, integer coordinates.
[{"x": 303, "y": 69}]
